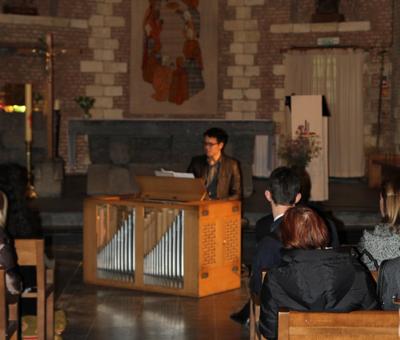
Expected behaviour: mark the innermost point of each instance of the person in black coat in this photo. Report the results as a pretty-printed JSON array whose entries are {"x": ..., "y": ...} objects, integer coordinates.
[{"x": 312, "y": 277}]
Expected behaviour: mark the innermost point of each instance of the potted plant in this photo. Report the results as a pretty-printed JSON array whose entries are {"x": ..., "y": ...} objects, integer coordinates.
[
  {"x": 85, "y": 103},
  {"x": 298, "y": 151}
]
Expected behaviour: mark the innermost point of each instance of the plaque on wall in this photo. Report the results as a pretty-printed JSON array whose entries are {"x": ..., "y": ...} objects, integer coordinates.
[{"x": 174, "y": 57}]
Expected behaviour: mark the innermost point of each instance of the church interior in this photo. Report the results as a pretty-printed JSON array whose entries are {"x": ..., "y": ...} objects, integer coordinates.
[{"x": 99, "y": 96}]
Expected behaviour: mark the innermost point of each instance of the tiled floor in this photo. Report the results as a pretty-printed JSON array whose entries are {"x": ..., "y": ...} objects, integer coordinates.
[{"x": 105, "y": 313}]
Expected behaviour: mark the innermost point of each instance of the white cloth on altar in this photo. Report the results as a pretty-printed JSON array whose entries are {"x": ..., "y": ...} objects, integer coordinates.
[{"x": 264, "y": 155}]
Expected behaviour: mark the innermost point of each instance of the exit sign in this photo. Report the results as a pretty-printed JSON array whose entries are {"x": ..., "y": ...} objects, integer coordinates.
[{"x": 328, "y": 41}]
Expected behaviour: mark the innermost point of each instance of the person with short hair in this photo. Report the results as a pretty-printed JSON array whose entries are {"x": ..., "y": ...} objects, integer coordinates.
[
  {"x": 282, "y": 192},
  {"x": 263, "y": 224},
  {"x": 312, "y": 277},
  {"x": 221, "y": 173},
  {"x": 285, "y": 188}
]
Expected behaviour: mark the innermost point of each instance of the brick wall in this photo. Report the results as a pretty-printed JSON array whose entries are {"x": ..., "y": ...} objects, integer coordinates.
[
  {"x": 251, "y": 47},
  {"x": 368, "y": 26},
  {"x": 242, "y": 93},
  {"x": 396, "y": 76}
]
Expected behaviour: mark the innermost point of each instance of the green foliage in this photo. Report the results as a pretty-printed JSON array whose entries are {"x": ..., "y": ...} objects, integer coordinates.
[
  {"x": 37, "y": 97},
  {"x": 85, "y": 103}
]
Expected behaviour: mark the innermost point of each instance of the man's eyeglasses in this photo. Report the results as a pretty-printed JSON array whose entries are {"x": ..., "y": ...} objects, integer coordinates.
[{"x": 209, "y": 144}]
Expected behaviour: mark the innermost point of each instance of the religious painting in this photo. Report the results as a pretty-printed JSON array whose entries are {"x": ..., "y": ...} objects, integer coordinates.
[{"x": 173, "y": 61}]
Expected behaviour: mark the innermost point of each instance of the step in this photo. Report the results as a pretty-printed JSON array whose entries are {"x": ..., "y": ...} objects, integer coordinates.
[{"x": 56, "y": 220}]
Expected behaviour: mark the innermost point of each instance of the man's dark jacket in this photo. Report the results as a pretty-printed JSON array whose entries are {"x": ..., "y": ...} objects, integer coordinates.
[
  {"x": 229, "y": 185},
  {"x": 331, "y": 280},
  {"x": 263, "y": 226},
  {"x": 268, "y": 254}
]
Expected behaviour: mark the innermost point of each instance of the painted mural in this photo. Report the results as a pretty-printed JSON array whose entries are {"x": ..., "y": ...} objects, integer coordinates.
[{"x": 172, "y": 58}]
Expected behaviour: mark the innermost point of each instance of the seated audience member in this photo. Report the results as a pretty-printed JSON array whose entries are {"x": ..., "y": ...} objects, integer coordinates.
[
  {"x": 285, "y": 187},
  {"x": 384, "y": 241},
  {"x": 221, "y": 173},
  {"x": 310, "y": 276},
  {"x": 282, "y": 192},
  {"x": 8, "y": 261},
  {"x": 264, "y": 223}
]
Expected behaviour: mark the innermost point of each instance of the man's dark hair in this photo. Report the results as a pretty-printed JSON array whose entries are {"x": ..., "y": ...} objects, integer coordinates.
[
  {"x": 218, "y": 133},
  {"x": 284, "y": 185}
]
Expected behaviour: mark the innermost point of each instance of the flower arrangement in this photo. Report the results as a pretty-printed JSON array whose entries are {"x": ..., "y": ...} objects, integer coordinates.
[
  {"x": 300, "y": 150},
  {"x": 85, "y": 103}
]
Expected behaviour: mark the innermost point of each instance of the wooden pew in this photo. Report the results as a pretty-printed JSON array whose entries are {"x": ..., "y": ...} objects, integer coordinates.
[
  {"x": 31, "y": 253},
  {"x": 360, "y": 325},
  {"x": 9, "y": 321}
]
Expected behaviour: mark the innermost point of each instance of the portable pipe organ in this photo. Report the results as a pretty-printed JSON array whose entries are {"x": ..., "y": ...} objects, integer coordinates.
[{"x": 178, "y": 246}]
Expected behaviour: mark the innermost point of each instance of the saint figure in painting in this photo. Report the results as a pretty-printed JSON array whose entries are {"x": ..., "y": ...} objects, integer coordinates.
[{"x": 175, "y": 74}]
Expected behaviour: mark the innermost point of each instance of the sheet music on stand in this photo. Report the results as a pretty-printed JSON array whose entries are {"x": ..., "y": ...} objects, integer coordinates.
[{"x": 169, "y": 173}]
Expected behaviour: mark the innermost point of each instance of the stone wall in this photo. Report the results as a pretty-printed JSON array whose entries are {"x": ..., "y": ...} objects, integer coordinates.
[
  {"x": 96, "y": 41},
  {"x": 106, "y": 49},
  {"x": 69, "y": 34},
  {"x": 396, "y": 76},
  {"x": 242, "y": 96},
  {"x": 253, "y": 37},
  {"x": 143, "y": 146},
  {"x": 12, "y": 138},
  {"x": 371, "y": 32}
]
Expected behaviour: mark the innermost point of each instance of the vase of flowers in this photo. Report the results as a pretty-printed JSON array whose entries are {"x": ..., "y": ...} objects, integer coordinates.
[
  {"x": 85, "y": 103},
  {"x": 298, "y": 151}
]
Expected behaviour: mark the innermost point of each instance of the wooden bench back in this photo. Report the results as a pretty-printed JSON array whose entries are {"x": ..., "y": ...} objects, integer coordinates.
[
  {"x": 3, "y": 304},
  {"x": 30, "y": 252},
  {"x": 362, "y": 325},
  {"x": 9, "y": 314}
]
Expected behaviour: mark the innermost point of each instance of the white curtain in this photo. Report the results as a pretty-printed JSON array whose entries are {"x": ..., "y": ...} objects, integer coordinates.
[{"x": 337, "y": 74}]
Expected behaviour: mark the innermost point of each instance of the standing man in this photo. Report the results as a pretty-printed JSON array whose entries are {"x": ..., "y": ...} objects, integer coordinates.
[{"x": 221, "y": 173}]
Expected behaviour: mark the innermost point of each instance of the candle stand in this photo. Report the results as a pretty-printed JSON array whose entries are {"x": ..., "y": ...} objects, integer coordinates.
[{"x": 30, "y": 189}]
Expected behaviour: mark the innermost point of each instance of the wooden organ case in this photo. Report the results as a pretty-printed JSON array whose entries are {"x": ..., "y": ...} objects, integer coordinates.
[{"x": 167, "y": 240}]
